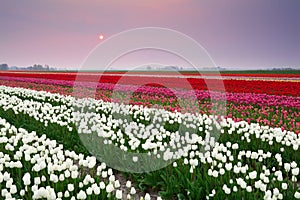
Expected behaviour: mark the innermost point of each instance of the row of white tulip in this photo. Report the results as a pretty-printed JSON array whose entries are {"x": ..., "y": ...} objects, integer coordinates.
[
  {"x": 52, "y": 172},
  {"x": 141, "y": 128},
  {"x": 103, "y": 124}
]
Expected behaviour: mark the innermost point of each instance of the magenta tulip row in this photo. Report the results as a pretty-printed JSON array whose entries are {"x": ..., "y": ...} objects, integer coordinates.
[{"x": 238, "y": 98}]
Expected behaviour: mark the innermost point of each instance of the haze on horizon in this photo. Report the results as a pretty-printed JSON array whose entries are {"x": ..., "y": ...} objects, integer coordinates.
[{"x": 249, "y": 34}]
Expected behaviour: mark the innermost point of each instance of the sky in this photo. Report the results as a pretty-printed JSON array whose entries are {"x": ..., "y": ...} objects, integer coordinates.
[{"x": 249, "y": 34}]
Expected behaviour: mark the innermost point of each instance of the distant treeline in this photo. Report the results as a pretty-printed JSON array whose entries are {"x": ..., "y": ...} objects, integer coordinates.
[
  {"x": 35, "y": 67},
  {"x": 283, "y": 70},
  {"x": 268, "y": 71}
]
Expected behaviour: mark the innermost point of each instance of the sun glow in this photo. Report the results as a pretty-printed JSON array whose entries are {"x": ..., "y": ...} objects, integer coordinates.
[{"x": 101, "y": 37}]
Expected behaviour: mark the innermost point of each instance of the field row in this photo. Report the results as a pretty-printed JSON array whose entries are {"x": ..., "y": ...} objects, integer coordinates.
[
  {"x": 233, "y": 86},
  {"x": 196, "y": 156},
  {"x": 272, "y": 110}
]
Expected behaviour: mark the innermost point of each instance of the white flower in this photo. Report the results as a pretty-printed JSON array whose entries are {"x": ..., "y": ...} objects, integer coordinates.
[
  {"x": 81, "y": 195},
  {"x": 59, "y": 194},
  {"x": 104, "y": 174},
  {"x": 297, "y": 195},
  {"x": 295, "y": 147},
  {"x": 102, "y": 185},
  {"x": 26, "y": 179},
  {"x": 13, "y": 189},
  {"x": 241, "y": 182},
  {"x": 174, "y": 164},
  {"x": 287, "y": 167},
  {"x": 110, "y": 172},
  {"x": 234, "y": 189},
  {"x": 243, "y": 170},
  {"x": 185, "y": 161},
  {"x": 43, "y": 178},
  {"x": 119, "y": 194},
  {"x": 236, "y": 169},
  {"x": 22, "y": 192},
  {"x": 276, "y": 191},
  {"x": 266, "y": 179},
  {"x": 268, "y": 194},
  {"x": 226, "y": 189},
  {"x": 109, "y": 188},
  {"x": 117, "y": 184},
  {"x": 249, "y": 188},
  {"x": 293, "y": 164},
  {"x": 147, "y": 197},
  {"x": 215, "y": 173},
  {"x": 191, "y": 169},
  {"x": 37, "y": 180},
  {"x": 71, "y": 187},
  {"x": 228, "y": 166},
  {"x": 74, "y": 174},
  {"x": 96, "y": 190},
  {"x": 112, "y": 179},
  {"x": 222, "y": 171},
  {"x": 89, "y": 191},
  {"x": 61, "y": 177},
  {"x": 4, "y": 192},
  {"x": 67, "y": 194},
  {"x": 284, "y": 186},
  {"x": 263, "y": 187},
  {"x": 209, "y": 172},
  {"x": 128, "y": 184},
  {"x": 252, "y": 175},
  {"x": 53, "y": 178},
  {"x": 80, "y": 184},
  {"x": 235, "y": 146},
  {"x": 132, "y": 190},
  {"x": 294, "y": 178},
  {"x": 92, "y": 163},
  {"x": 295, "y": 171},
  {"x": 267, "y": 172}
]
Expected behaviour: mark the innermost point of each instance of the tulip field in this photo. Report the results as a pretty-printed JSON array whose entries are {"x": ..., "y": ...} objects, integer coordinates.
[{"x": 56, "y": 143}]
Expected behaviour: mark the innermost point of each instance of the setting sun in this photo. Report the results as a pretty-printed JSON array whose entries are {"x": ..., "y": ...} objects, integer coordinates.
[{"x": 101, "y": 37}]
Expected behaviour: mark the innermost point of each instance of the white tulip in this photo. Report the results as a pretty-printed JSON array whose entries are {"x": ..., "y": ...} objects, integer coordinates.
[{"x": 26, "y": 179}]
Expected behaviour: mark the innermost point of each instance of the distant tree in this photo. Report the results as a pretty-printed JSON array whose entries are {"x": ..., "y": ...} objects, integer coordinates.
[
  {"x": 29, "y": 68},
  {"x": 39, "y": 67},
  {"x": 4, "y": 67}
]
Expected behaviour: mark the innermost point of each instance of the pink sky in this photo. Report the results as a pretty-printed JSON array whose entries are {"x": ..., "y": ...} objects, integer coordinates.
[{"x": 61, "y": 33}]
